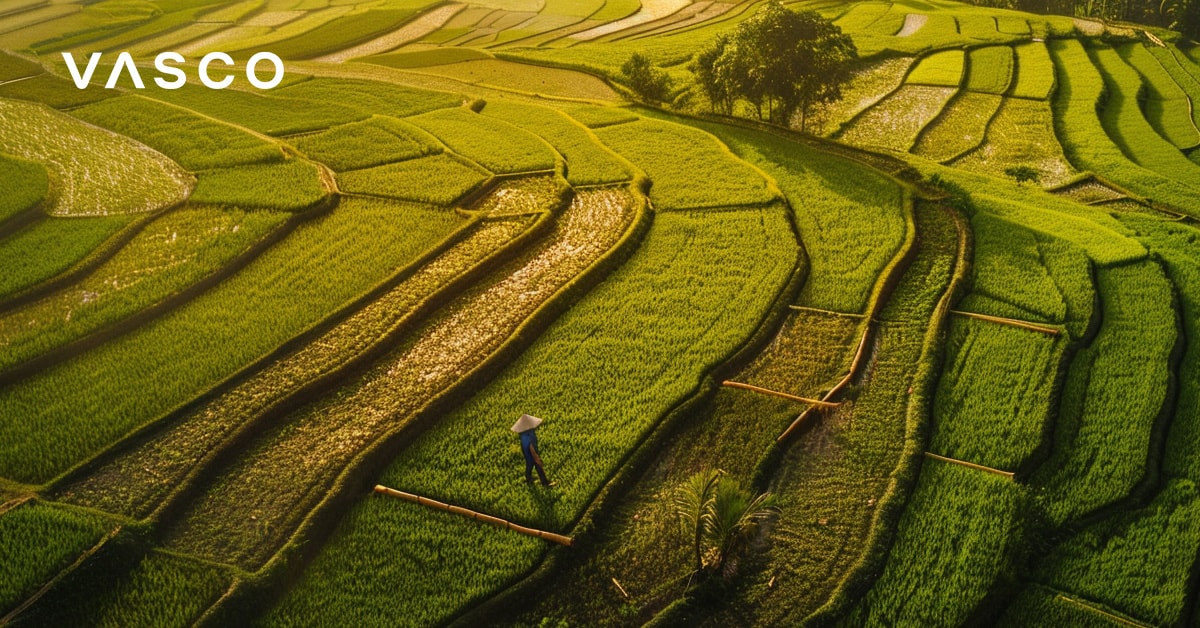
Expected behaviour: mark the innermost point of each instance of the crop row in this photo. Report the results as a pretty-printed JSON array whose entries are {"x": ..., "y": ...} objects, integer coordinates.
[
  {"x": 50, "y": 246},
  {"x": 375, "y": 141},
  {"x": 1034, "y": 71},
  {"x": 868, "y": 86},
  {"x": 1123, "y": 118},
  {"x": 492, "y": 143},
  {"x": 131, "y": 483},
  {"x": 588, "y": 162},
  {"x": 166, "y": 256},
  {"x": 1166, "y": 105},
  {"x": 94, "y": 172},
  {"x": 345, "y": 31},
  {"x": 895, "y": 122},
  {"x": 438, "y": 179},
  {"x": 960, "y": 128},
  {"x": 940, "y": 69},
  {"x": 678, "y": 306},
  {"x": 292, "y": 185},
  {"x": 990, "y": 69},
  {"x": 321, "y": 265},
  {"x": 37, "y": 540},
  {"x": 193, "y": 141},
  {"x": 835, "y": 482},
  {"x": 264, "y": 488},
  {"x": 641, "y": 546},
  {"x": 1020, "y": 134},
  {"x": 851, "y": 220},
  {"x": 1080, "y": 88},
  {"x": 696, "y": 156},
  {"x": 1138, "y": 560},
  {"x": 1114, "y": 392}
]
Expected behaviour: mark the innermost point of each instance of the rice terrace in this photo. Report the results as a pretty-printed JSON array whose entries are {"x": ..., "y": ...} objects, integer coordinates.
[{"x": 599, "y": 313}]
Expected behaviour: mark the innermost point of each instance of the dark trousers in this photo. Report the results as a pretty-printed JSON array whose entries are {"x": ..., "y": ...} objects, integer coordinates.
[{"x": 530, "y": 465}]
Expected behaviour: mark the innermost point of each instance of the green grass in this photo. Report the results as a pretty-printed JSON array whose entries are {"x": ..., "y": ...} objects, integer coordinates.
[
  {"x": 277, "y": 112},
  {"x": 850, "y": 220},
  {"x": 1128, "y": 127},
  {"x": 37, "y": 540},
  {"x": 941, "y": 69},
  {"x": 595, "y": 116},
  {"x": 373, "y": 142},
  {"x": 1114, "y": 391},
  {"x": 991, "y": 69},
  {"x": 133, "y": 483},
  {"x": 1034, "y": 71},
  {"x": 160, "y": 590},
  {"x": 25, "y": 184},
  {"x": 193, "y": 141},
  {"x": 583, "y": 394},
  {"x": 13, "y": 67},
  {"x": 960, "y": 532},
  {"x": 227, "y": 523},
  {"x": 438, "y": 180},
  {"x": 1103, "y": 243},
  {"x": 291, "y": 185},
  {"x": 370, "y": 97},
  {"x": 498, "y": 146},
  {"x": 343, "y": 32},
  {"x": 167, "y": 256},
  {"x": 55, "y": 91},
  {"x": 995, "y": 394},
  {"x": 167, "y": 362},
  {"x": 961, "y": 127},
  {"x": 48, "y": 247},
  {"x": 697, "y": 156},
  {"x": 1085, "y": 140},
  {"x": 1021, "y": 134},
  {"x": 1185, "y": 80},
  {"x": 894, "y": 122},
  {"x": 1011, "y": 279},
  {"x": 1166, "y": 104},
  {"x": 588, "y": 162},
  {"x": 94, "y": 172}
]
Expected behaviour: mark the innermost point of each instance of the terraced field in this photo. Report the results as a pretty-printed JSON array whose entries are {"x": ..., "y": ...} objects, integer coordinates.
[{"x": 947, "y": 320}]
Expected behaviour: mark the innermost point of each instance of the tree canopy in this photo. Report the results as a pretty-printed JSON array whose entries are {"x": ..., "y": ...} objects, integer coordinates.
[{"x": 779, "y": 62}]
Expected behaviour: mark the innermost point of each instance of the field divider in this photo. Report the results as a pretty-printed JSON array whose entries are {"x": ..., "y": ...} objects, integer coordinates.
[
  {"x": 782, "y": 395},
  {"x": 805, "y": 308},
  {"x": 1011, "y": 322},
  {"x": 969, "y": 465},
  {"x": 59, "y": 577},
  {"x": 1099, "y": 611},
  {"x": 13, "y": 503},
  {"x": 477, "y": 516}
]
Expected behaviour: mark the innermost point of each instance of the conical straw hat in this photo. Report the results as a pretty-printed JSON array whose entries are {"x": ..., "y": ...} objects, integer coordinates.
[{"x": 526, "y": 423}]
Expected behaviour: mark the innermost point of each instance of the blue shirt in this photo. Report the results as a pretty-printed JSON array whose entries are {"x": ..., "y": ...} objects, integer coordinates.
[{"x": 528, "y": 441}]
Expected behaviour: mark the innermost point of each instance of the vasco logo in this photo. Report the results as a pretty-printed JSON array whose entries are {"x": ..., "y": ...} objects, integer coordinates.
[{"x": 125, "y": 64}]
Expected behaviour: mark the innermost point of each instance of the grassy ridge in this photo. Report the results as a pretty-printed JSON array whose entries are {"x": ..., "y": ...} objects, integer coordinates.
[
  {"x": 438, "y": 179},
  {"x": 490, "y": 142},
  {"x": 587, "y": 161},
  {"x": 291, "y": 185},
  {"x": 48, "y": 247}
]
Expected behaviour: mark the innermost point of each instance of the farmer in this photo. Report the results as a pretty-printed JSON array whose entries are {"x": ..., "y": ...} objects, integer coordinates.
[{"x": 525, "y": 428}]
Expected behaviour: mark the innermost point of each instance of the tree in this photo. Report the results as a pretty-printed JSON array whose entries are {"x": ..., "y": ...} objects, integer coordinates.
[
  {"x": 720, "y": 516},
  {"x": 780, "y": 62},
  {"x": 647, "y": 81}
]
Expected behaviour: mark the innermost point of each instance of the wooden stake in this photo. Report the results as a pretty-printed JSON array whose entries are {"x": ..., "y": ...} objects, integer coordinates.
[
  {"x": 1099, "y": 611},
  {"x": 971, "y": 465},
  {"x": 782, "y": 395},
  {"x": 1012, "y": 322},
  {"x": 478, "y": 516}
]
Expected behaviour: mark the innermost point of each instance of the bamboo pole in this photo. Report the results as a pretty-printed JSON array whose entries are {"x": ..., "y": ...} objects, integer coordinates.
[
  {"x": 1100, "y": 611},
  {"x": 805, "y": 308},
  {"x": 971, "y": 465},
  {"x": 621, "y": 588},
  {"x": 478, "y": 516},
  {"x": 1053, "y": 331},
  {"x": 782, "y": 395}
]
